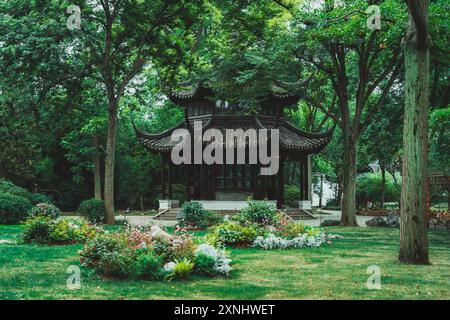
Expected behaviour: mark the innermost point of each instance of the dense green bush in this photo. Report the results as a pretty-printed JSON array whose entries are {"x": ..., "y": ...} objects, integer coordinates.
[
  {"x": 330, "y": 223},
  {"x": 9, "y": 187},
  {"x": 194, "y": 215},
  {"x": 262, "y": 213},
  {"x": 37, "y": 231},
  {"x": 149, "y": 266},
  {"x": 13, "y": 208},
  {"x": 93, "y": 210},
  {"x": 290, "y": 229},
  {"x": 45, "y": 209},
  {"x": 368, "y": 188},
  {"x": 42, "y": 229},
  {"x": 234, "y": 234},
  {"x": 40, "y": 198},
  {"x": 204, "y": 264}
]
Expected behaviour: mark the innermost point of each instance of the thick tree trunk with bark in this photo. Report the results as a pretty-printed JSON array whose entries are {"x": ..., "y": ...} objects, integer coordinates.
[
  {"x": 348, "y": 217},
  {"x": 97, "y": 172},
  {"x": 413, "y": 225},
  {"x": 110, "y": 161}
]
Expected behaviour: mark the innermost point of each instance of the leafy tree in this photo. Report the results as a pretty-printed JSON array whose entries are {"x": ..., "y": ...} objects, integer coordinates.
[
  {"x": 382, "y": 140},
  {"x": 124, "y": 37}
]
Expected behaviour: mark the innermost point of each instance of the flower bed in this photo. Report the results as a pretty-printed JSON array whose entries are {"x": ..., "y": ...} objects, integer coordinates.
[
  {"x": 262, "y": 226},
  {"x": 301, "y": 241},
  {"x": 151, "y": 253}
]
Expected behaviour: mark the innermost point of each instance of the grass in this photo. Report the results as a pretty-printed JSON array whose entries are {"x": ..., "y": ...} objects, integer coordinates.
[{"x": 338, "y": 271}]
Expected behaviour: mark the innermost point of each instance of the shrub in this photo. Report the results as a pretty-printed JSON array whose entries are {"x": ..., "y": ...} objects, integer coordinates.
[
  {"x": 204, "y": 264},
  {"x": 98, "y": 246},
  {"x": 291, "y": 230},
  {"x": 182, "y": 248},
  {"x": 37, "y": 230},
  {"x": 119, "y": 263},
  {"x": 9, "y": 187},
  {"x": 209, "y": 260},
  {"x": 40, "y": 198},
  {"x": 41, "y": 229},
  {"x": 149, "y": 266},
  {"x": 330, "y": 223},
  {"x": 13, "y": 208},
  {"x": 368, "y": 188},
  {"x": 258, "y": 212},
  {"x": 93, "y": 210},
  {"x": 45, "y": 209},
  {"x": 194, "y": 215},
  {"x": 233, "y": 234}
]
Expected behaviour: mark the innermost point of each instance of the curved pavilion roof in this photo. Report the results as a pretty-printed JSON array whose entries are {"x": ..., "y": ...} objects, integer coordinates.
[{"x": 291, "y": 138}]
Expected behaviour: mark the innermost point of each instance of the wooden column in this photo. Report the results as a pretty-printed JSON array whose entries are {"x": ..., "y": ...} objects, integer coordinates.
[
  {"x": 280, "y": 196},
  {"x": 253, "y": 181},
  {"x": 163, "y": 180},
  {"x": 302, "y": 178},
  {"x": 170, "y": 180},
  {"x": 187, "y": 171},
  {"x": 201, "y": 183},
  {"x": 308, "y": 179}
]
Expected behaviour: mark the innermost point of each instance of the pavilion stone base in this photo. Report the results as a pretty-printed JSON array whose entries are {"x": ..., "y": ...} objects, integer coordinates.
[
  {"x": 165, "y": 204},
  {"x": 226, "y": 205},
  {"x": 305, "y": 204}
]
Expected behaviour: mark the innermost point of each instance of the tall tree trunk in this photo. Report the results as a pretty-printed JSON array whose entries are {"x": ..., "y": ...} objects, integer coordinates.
[
  {"x": 348, "y": 217},
  {"x": 413, "y": 224},
  {"x": 110, "y": 161},
  {"x": 97, "y": 174},
  {"x": 339, "y": 189},
  {"x": 383, "y": 184},
  {"x": 448, "y": 198},
  {"x": 321, "y": 191}
]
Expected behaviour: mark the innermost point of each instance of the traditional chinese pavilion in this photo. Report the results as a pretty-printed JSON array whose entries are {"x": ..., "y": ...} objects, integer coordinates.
[{"x": 223, "y": 186}]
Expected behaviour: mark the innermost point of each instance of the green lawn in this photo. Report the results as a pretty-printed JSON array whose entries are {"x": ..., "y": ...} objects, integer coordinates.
[{"x": 336, "y": 271}]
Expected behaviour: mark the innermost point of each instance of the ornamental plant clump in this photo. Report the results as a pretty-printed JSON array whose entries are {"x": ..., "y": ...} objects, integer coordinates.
[
  {"x": 261, "y": 225},
  {"x": 211, "y": 260},
  {"x": 151, "y": 253},
  {"x": 194, "y": 216},
  {"x": 93, "y": 210},
  {"x": 234, "y": 234},
  {"x": 301, "y": 241},
  {"x": 42, "y": 229},
  {"x": 13, "y": 208},
  {"x": 261, "y": 213},
  {"x": 45, "y": 209}
]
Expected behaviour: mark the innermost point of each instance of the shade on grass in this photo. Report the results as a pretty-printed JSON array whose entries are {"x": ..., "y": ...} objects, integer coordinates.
[{"x": 329, "y": 272}]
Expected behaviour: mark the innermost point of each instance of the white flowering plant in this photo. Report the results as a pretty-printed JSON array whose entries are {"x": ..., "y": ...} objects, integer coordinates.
[
  {"x": 301, "y": 241},
  {"x": 211, "y": 260}
]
